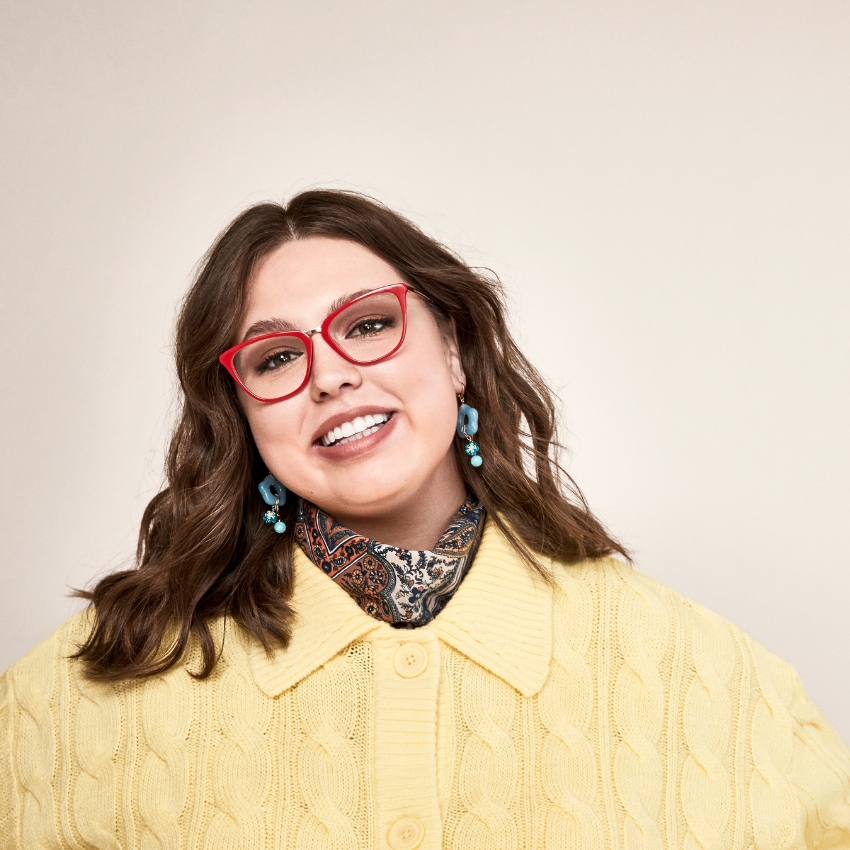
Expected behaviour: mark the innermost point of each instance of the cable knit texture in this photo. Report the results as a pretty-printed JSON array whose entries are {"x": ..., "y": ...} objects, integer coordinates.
[{"x": 603, "y": 711}]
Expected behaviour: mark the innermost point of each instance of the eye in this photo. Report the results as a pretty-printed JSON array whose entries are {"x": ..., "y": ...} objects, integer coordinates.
[
  {"x": 371, "y": 326},
  {"x": 280, "y": 358}
]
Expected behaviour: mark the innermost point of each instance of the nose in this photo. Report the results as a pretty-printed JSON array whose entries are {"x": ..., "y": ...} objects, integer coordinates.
[{"x": 331, "y": 372}]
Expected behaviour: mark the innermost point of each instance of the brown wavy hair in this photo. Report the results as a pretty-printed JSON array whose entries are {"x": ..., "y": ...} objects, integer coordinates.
[{"x": 203, "y": 549}]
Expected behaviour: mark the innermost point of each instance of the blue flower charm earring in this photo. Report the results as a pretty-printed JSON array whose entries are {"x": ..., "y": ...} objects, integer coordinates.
[
  {"x": 467, "y": 425},
  {"x": 274, "y": 494}
]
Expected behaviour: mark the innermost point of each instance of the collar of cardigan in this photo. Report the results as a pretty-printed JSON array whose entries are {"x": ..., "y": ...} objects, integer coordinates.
[{"x": 500, "y": 617}]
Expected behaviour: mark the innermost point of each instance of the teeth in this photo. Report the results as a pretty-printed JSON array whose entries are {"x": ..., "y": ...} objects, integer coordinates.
[{"x": 359, "y": 427}]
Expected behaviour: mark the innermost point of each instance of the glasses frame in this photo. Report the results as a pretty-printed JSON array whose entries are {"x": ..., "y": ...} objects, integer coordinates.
[{"x": 400, "y": 291}]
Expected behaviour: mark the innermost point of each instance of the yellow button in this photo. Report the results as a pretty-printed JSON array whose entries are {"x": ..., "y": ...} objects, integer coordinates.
[
  {"x": 406, "y": 833},
  {"x": 410, "y": 661}
]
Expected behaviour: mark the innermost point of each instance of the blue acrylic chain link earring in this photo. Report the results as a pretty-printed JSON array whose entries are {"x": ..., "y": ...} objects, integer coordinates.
[
  {"x": 274, "y": 495},
  {"x": 467, "y": 426}
]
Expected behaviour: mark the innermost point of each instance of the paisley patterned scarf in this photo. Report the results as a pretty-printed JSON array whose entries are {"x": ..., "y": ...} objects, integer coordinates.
[{"x": 402, "y": 587}]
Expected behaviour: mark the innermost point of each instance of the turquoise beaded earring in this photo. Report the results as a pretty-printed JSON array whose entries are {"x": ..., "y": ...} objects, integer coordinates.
[
  {"x": 467, "y": 425},
  {"x": 274, "y": 494}
]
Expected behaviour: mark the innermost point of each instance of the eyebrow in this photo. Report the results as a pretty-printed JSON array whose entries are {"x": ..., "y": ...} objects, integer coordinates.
[{"x": 270, "y": 326}]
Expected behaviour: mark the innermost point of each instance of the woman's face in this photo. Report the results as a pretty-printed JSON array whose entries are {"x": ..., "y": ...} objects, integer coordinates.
[{"x": 408, "y": 459}]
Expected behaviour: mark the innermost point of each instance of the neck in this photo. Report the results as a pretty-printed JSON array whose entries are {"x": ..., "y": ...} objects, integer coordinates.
[{"x": 419, "y": 522}]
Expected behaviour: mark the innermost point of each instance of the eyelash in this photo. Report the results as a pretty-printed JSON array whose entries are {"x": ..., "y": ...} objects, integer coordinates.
[{"x": 387, "y": 323}]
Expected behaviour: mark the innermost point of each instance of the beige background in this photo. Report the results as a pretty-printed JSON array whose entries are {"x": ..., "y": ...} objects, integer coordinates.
[{"x": 662, "y": 185}]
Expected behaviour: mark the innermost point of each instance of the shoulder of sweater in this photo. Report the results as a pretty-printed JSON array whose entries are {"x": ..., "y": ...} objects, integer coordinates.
[
  {"x": 60, "y": 647},
  {"x": 33, "y": 677},
  {"x": 641, "y": 604},
  {"x": 56, "y": 647},
  {"x": 641, "y": 608},
  {"x": 621, "y": 578},
  {"x": 636, "y": 596},
  {"x": 30, "y": 683}
]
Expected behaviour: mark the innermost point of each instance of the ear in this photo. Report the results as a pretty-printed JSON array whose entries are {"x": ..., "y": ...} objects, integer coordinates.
[{"x": 452, "y": 352}]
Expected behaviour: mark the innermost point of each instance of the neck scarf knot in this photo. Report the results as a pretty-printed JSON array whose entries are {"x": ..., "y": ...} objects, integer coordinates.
[{"x": 399, "y": 586}]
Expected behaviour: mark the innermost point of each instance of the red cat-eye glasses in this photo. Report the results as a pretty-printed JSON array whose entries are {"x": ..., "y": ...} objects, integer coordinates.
[{"x": 364, "y": 330}]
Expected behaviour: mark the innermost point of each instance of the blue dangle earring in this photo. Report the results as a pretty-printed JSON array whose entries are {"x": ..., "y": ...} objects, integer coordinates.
[
  {"x": 467, "y": 426},
  {"x": 274, "y": 495}
]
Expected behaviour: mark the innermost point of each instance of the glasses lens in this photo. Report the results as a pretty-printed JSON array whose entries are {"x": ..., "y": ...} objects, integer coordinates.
[
  {"x": 370, "y": 328},
  {"x": 271, "y": 368}
]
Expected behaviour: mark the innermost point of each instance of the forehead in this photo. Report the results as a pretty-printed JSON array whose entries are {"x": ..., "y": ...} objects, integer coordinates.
[{"x": 301, "y": 279}]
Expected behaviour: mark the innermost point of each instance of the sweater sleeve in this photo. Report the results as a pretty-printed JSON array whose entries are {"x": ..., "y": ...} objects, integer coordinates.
[
  {"x": 821, "y": 773},
  {"x": 28, "y": 749},
  {"x": 800, "y": 789},
  {"x": 8, "y": 792}
]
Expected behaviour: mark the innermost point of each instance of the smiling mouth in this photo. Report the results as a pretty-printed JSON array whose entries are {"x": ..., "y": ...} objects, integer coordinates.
[{"x": 356, "y": 429}]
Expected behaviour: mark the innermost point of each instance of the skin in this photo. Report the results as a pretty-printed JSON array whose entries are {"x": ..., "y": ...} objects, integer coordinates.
[{"x": 401, "y": 485}]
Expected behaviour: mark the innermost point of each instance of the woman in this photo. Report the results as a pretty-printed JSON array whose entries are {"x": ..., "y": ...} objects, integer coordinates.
[{"x": 413, "y": 632}]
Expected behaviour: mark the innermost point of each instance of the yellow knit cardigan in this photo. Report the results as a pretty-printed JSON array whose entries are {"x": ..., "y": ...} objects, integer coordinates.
[{"x": 605, "y": 711}]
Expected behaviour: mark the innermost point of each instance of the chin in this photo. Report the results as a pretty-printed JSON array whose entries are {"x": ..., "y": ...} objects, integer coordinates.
[
  {"x": 370, "y": 491},
  {"x": 369, "y": 498}
]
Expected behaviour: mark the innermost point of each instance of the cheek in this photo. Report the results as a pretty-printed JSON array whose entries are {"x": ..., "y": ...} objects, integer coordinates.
[
  {"x": 431, "y": 404},
  {"x": 272, "y": 426},
  {"x": 437, "y": 429}
]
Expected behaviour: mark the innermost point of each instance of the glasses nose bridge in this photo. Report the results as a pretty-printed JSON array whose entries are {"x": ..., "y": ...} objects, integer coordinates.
[
  {"x": 329, "y": 368},
  {"x": 326, "y": 337}
]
